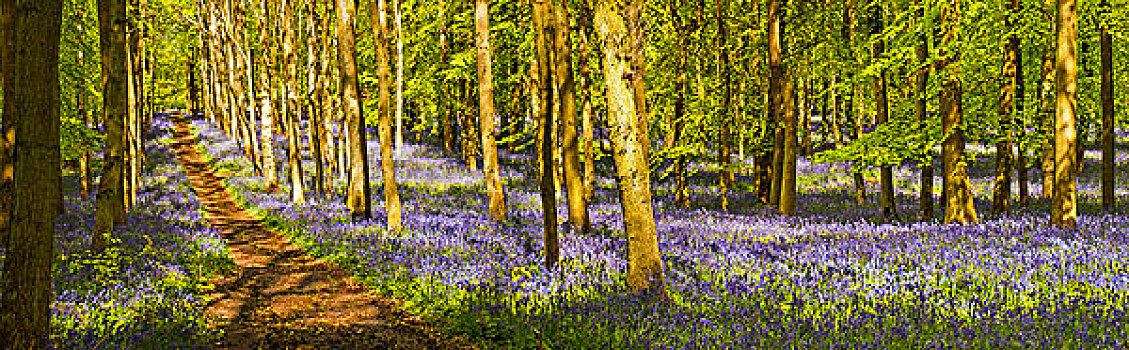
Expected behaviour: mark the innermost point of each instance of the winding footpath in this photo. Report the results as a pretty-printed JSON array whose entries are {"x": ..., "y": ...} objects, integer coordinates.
[{"x": 279, "y": 297}]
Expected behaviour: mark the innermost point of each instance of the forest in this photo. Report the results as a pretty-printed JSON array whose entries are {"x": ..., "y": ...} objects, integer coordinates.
[{"x": 564, "y": 174}]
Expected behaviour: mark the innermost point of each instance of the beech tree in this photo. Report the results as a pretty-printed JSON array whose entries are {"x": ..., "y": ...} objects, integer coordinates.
[
  {"x": 357, "y": 195},
  {"x": 618, "y": 25},
  {"x": 110, "y": 201},
  {"x": 1064, "y": 202},
  {"x": 33, "y": 111},
  {"x": 494, "y": 187}
]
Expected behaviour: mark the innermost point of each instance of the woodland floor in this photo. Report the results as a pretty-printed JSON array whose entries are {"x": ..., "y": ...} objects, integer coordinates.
[{"x": 280, "y": 297}]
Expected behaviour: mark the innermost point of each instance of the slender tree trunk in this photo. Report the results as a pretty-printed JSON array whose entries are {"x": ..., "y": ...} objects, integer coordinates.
[
  {"x": 110, "y": 202},
  {"x": 1021, "y": 155},
  {"x": 25, "y": 285},
  {"x": 775, "y": 99},
  {"x": 399, "y": 77},
  {"x": 384, "y": 101},
  {"x": 681, "y": 185},
  {"x": 618, "y": 25},
  {"x": 544, "y": 32},
  {"x": 569, "y": 138},
  {"x": 1109, "y": 200},
  {"x": 881, "y": 108},
  {"x": 724, "y": 150},
  {"x": 357, "y": 196},
  {"x": 291, "y": 110},
  {"x": 1048, "y": 149},
  {"x": 1064, "y": 203},
  {"x": 1001, "y": 194},
  {"x": 788, "y": 168},
  {"x": 586, "y": 92},
  {"x": 925, "y": 197},
  {"x": 494, "y": 185},
  {"x": 7, "y": 124},
  {"x": 444, "y": 90}
]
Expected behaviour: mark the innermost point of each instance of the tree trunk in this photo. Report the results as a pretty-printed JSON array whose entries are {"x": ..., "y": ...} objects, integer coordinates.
[
  {"x": 399, "y": 77},
  {"x": 1109, "y": 200},
  {"x": 1048, "y": 149},
  {"x": 110, "y": 202},
  {"x": 724, "y": 150},
  {"x": 925, "y": 197},
  {"x": 788, "y": 169},
  {"x": 384, "y": 100},
  {"x": 544, "y": 32},
  {"x": 586, "y": 91},
  {"x": 775, "y": 99},
  {"x": 881, "y": 108},
  {"x": 494, "y": 186},
  {"x": 7, "y": 125},
  {"x": 958, "y": 199},
  {"x": 1001, "y": 193},
  {"x": 357, "y": 195},
  {"x": 25, "y": 285},
  {"x": 1064, "y": 203},
  {"x": 291, "y": 112},
  {"x": 570, "y": 147},
  {"x": 618, "y": 25},
  {"x": 444, "y": 90}
]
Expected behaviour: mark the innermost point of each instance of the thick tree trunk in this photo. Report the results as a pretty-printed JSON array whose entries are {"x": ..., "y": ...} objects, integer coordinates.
[
  {"x": 618, "y": 25},
  {"x": 25, "y": 285},
  {"x": 357, "y": 195},
  {"x": 110, "y": 202},
  {"x": 586, "y": 92},
  {"x": 544, "y": 32},
  {"x": 958, "y": 199},
  {"x": 1109, "y": 200},
  {"x": 1064, "y": 203},
  {"x": 494, "y": 186}
]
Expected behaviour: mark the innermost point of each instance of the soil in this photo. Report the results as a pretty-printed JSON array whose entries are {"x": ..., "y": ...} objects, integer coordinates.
[{"x": 280, "y": 297}]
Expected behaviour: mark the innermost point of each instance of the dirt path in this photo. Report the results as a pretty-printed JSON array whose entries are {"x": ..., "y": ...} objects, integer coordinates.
[{"x": 282, "y": 298}]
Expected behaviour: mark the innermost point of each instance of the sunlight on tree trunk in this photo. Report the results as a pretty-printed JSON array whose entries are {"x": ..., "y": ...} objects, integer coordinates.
[
  {"x": 110, "y": 202},
  {"x": 357, "y": 195},
  {"x": 619, "y": 28},
  {"x": 1064, "y": 203},
  {"x": 380, "y": 28},
  {"x": 544, "y": 33},
  {"x": 494, "y": 186}
]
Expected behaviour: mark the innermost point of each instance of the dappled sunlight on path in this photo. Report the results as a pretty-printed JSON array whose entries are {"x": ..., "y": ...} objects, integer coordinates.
[{"x": 279, "y": 296}]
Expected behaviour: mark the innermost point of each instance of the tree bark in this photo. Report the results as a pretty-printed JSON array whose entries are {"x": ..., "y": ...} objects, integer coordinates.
[
  {"x": 788, "y": 168},
  {"x": 569, "y": 138},
  {"x": 382, "y": 32},
  {"x": 775, "y": 99},
  {"x": 1109, "y": 200},
  {"x": 544, "y": 32},
  {"x": 357, "y": 195},
  {"x": 925, "y": 197},
  {"x": 110, "y": 202},
  {"x": 1001, "y": 193},
  {"x": 1064, "y": 203},
  {"x": 881, "y": 108},
  {"x": 7, "y": 125},
  {"x": 291, "y": 111},
  {"x": 618, "y": 25},
  {"x": 725, "y": 149},
  {"x": 494, "y": 186},
  {"x": 34, "y": 110}
]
